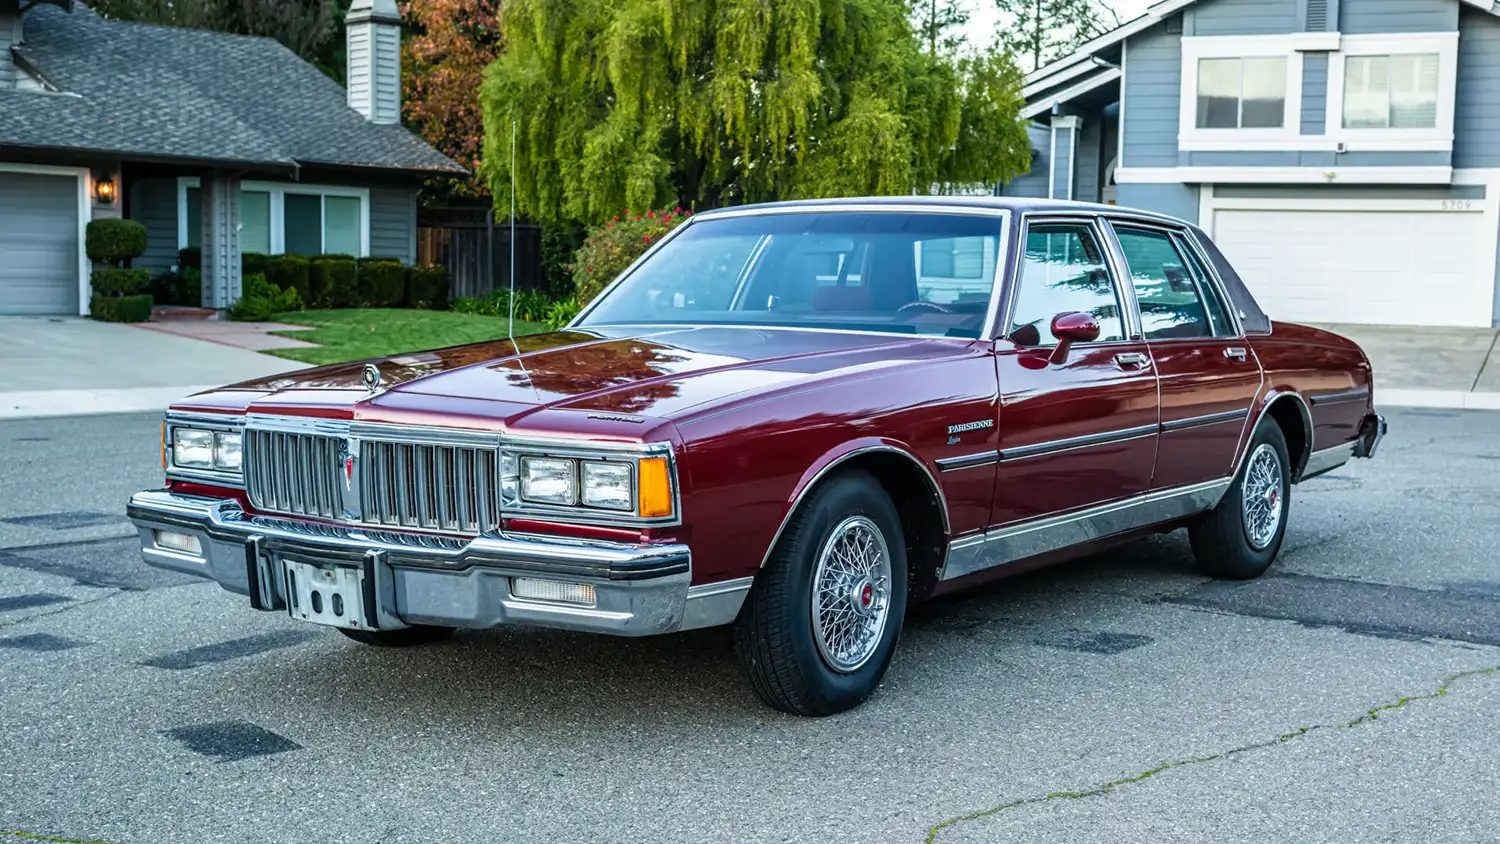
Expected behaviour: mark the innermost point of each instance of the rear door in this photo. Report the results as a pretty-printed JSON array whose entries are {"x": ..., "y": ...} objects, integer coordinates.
[{"x": 1208, "y": 374}]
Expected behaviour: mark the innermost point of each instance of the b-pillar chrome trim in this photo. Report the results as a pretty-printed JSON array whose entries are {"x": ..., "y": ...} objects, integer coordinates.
[{"x": 1007, "y": 544}]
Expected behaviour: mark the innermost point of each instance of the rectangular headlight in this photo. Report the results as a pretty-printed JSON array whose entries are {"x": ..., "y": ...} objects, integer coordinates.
[
  {"x": 549, "y": 480},
  {"x": 192, "y": 449},
  {"x": 227, "y": 454},
  {"x": 608, "y": 485}
]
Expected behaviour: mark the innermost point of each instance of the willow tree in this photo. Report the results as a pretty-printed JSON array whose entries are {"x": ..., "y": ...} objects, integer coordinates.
[{"x": 640, "y": 103}]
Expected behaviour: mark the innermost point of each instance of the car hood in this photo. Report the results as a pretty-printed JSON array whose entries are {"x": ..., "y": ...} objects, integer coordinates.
[{"x": 658, "y": 373}]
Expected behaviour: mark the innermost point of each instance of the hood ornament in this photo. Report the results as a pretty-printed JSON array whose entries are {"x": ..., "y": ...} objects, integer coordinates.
[{"x": 371, "y": 377}]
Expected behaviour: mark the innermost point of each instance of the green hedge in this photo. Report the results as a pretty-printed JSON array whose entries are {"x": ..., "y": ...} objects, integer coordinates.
[
  {"x": 254, "y": 263},
  {"x": 427, "y": 287},
  {"x": 118, "y": 282},
  {"x": 121, "y": 309},
  {"x": 290, "y": 271},
  {"x": 332, "y": 280},
  {"x": 381, "y": 283},
  {"x": 190, "y": 257},
  {"x": 114, "y": 241}
]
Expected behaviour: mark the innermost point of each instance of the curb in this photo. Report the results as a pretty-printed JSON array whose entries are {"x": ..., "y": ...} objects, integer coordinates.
[
  {"x": 1449, "y": 399},
  {"x": 26, "y": 404}
]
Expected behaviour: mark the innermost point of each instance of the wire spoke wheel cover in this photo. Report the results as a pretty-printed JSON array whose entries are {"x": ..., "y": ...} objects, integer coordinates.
[
  {"x": 851, "y": 595},
  {"x": 1262, "y": 493}
]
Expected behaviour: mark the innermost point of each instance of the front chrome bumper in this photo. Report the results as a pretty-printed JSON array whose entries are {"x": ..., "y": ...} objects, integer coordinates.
[{"x": 417, "y": 579}]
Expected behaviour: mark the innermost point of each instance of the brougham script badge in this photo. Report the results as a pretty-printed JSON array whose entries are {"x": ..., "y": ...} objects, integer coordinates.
[
  {"x": 371, "y": 377},
  {"x": 971, "y": 426}
]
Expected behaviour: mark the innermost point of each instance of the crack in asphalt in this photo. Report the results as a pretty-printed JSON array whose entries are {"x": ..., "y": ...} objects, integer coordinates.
[
  {"x": 31, "y": 836},
  {"x": 1106, "y": 788},
  {"x": 82, "y": 602}
]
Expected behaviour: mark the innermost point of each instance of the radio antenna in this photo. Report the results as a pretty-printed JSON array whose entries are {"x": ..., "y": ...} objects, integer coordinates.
[{"x": 511, "y": 327}]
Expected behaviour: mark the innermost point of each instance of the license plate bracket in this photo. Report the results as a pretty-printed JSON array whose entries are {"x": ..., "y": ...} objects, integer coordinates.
[{"x": 336, "y": 596}]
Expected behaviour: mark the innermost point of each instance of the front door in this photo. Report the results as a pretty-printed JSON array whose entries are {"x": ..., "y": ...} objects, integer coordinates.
[
  {"x": 1209, "y": 375},
  {"x": 1077, "y": 435}
]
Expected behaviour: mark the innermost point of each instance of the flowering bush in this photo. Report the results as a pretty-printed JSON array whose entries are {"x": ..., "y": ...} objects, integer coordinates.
[{"x": 610, "y": 248}]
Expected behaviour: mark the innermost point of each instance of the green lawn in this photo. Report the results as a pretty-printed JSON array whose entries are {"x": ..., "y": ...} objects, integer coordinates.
[{"x": 344, "y": 335}]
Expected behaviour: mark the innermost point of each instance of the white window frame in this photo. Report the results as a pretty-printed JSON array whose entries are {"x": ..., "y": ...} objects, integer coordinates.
[
  {"x": 278, "y": 192},
  {"x": 1190, "y": 138},
  {"x": 1436, "y": 139}
]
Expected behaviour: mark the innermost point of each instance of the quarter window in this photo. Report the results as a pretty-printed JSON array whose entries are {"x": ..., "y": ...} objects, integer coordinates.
[
  {"x": 1391, "y": 92},
  {"x": 1064, "y": 272},
  {"x": 1175, "y": 299},
  {"x": 1248, "y": 93}
]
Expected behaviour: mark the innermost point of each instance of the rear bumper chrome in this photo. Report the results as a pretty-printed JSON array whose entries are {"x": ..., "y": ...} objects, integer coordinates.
[{"x": 638, "y": 590}]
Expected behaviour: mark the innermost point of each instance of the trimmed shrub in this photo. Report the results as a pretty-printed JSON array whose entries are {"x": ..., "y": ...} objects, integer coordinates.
[
  {"x": 332, "y": 256},
  {"x": 192, "y": 287},
  {"x": 609, "y": 249},
  {"x": 118, "y": 282},
  {"x": 114, "y": 241},
  {"x": 260, "y": 300},
  {"x": 121, "y": 309},
  {"x": 427, "y": 287},
  {"x": 254, "y": 263},
  {"x": 381, "y": 283},
  {"x": 190, "y": 257},
  {"x": 332, "y": 281},
  {"x": 290, "y": 272}
]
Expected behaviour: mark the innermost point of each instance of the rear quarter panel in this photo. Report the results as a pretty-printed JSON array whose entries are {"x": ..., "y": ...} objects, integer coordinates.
[
  {"x": 1315, "y": 364},
  {"x": 747, "y": 464}
]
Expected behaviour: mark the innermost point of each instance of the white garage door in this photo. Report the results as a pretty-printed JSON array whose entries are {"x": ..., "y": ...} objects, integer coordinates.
[
  {"x": 38, "y": 244},
  {"x": 1369, "y": 267}
]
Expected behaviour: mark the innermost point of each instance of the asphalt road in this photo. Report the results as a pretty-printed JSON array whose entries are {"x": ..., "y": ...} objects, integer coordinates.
[{"x": 1352, "y": 696}]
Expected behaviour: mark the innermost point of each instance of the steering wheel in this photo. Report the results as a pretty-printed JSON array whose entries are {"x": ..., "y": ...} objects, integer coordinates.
[{"x": 931, "y": 307}]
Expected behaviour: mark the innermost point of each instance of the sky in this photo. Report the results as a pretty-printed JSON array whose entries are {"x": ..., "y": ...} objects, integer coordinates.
[{"x": 983, "y": 17}]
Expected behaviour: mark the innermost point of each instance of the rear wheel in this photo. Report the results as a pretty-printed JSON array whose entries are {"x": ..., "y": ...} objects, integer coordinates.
[
  {"x": 1240, "y": 538},
  {"x": 421, "y": 634},
  {"x": 821, "y": 623}
]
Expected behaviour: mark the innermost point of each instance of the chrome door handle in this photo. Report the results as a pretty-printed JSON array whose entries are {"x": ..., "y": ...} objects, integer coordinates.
[
  {"x": 1131, "y": 359},
  {"x": 1235, "y": 352}
]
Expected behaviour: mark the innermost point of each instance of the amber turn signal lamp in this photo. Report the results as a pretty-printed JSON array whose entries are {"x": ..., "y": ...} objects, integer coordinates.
[
  {"x": 164, "y": 446},
  {"x": 656, "y": 488}
]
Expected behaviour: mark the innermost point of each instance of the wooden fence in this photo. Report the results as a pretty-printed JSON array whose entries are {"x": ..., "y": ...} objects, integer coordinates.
[{"x": 477, "y": 253}]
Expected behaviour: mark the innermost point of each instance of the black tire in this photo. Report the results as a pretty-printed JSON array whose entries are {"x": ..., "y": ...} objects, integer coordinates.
[
  {"x": 1221, "y": 538},
  {"x": 774, "y": 632},
  {"x": 407, "y": 637}
]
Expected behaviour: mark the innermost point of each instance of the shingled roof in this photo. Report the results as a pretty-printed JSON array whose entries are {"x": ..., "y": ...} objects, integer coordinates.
[{"x": 168, "y": 93}]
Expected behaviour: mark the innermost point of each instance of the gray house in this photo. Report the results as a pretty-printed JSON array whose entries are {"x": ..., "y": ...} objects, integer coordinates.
[
  {"x": 1344, "y": 153},
  {"x": 224, "y": 142}
]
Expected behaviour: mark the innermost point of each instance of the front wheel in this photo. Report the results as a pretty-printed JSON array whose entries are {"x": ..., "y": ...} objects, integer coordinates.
[
  {"x": 819, "y": 627},
  {"x": 1240, "y": 538}
]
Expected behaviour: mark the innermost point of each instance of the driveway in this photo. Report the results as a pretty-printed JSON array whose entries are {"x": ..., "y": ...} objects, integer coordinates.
[
  {"x": 1352, "y": 695},
  {"x": 61, "y": 365}
]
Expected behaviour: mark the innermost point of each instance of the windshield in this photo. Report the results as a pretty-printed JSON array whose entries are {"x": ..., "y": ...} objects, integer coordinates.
[{"x": 906, "y": 273}]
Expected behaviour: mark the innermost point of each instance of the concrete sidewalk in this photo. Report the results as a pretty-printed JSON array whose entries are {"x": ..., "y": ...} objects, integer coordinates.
[
  {"x": 64, "y": 366},
  {"x": 1431, "y": 367}
]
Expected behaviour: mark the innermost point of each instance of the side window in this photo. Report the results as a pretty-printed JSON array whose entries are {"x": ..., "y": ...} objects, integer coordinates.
[
  {"x": 1218, "y": 310},
  {"x": 1064, "y": 271},
  {"x": 1171, "y": 299}
]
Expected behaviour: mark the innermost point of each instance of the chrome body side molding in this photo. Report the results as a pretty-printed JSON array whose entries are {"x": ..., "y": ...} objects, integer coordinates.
[
  {"x": 1327, "y": 460},
  {"x": 968, "y": 461},
  {"x": 1338, "y": 398},
  {"x": 1009, "y": 543},
  {"x": 1203, "y": 421},
  {"x": 1022, "y": 452}
]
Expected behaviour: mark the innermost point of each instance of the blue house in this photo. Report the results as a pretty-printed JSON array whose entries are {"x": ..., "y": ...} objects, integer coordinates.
[{"x": 1344, "y": 153}]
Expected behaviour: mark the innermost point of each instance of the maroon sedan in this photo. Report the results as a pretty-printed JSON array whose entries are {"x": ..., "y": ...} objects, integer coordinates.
[{"x": 796, "y": 419}]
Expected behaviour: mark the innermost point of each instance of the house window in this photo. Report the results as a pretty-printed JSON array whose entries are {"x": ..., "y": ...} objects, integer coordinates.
[
  {"x": 1242, "y": 93},
  {"x": 1391, "y": 92},
  {"x": 278, "y": 218}
]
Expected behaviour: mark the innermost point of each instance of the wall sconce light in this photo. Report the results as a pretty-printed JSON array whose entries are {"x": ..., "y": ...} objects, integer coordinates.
[{"x": 104, "y": 190}]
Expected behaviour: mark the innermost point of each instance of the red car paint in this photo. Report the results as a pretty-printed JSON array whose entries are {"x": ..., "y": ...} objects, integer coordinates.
[{"x": 756, "y": 414}]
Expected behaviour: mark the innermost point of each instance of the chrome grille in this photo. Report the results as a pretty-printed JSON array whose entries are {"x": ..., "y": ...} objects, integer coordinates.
[
  {"x": 429, "y": 487},
  {"x": 294, "y": 473}
]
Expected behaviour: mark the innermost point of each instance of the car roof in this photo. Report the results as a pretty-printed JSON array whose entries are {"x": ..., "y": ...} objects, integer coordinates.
[{"x": 1019, "y": 205}]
